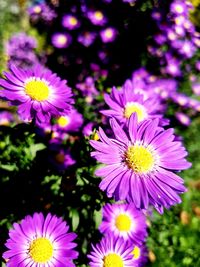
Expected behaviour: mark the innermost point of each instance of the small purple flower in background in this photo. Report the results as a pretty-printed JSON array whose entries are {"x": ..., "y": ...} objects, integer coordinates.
[
  {"x": 61, "y": 40},
  {"x": 178, "y": 8},
  {"x": 6, "y": 118},
  {"x": 140, "y": 164},
  {"x": 97, "y": 17},
  {"x": 86, "y": 38},
  {"x": 124, "y": 220},
  {"x": 88, "y": 87},
  {"x": 20, "y": 50},
  {"x": 70, "y": 122},
  {"x": 108, "y": 35},
  {"x": 111, "y": 252},
  {"x": 196, "y": 88},
  {"x": 88, "y": 129},
  {"x": 41, "y": 11},
  {"x": 183, "y": 118},
  {"x": 70, "y": 22},
  {"x": 140, "y": 255},
  {"x": 40, "y": 241},
  {"x": 38, "y": 93}
]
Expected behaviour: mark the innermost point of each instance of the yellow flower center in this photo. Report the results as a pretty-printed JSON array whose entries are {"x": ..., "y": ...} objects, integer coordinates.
[
  {"x": 140, "y": 159},
  {"x": 62, "y": 39},
  {"x": 73, "y": 21},
  {"x": 63, "y": 121},
  {"x": 98, "y": 15},
  {"x": 37, "y": 90},
  {"x": 132, "y": 107},
  {"x": 136, "y": 252},
  {"x": 179, "y": 8},
  {"x": 123, "y": 222},
  {"x": 41, "y": 250},
  {"x": 112, "y": 260},
  {"x": 37, "y": 9},
  {"x": 109, "y": 33}
]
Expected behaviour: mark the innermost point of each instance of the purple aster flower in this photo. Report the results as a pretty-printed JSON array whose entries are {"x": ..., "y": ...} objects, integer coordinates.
[
  {"x": 70, "y": 122},
  {"x": 173, "y": 66},
  {"x": 124, "y": 220},
  {"x": 40, "y": 241},
  {"x": 140, "y": 164},
  {"x": 20, "y": 50},
  {"x": 124, "y": 103},
  {"x": 88, "y": 87},
  {"x": 6, "y": 118},
  {"x": 111, "y": 252},
  {"x": 87, "y": 38},
  {"x": 180, "y": 99},
  {"x": 38, "y": 93},
  {"x": 61, "y": 40},
  {"x": 183, "y": 118},
  {"x": 178, "y": 7},
  {"x": 70, "y": 22},
  {"x": 97, "y": 17},
  {"x": 41, "y": 11},
  {"x": 88, "y": 129},
  {"x": 196, "y": 88},
  {"x": 140, "y": 255},
  {"x": 108, "y": 35}
]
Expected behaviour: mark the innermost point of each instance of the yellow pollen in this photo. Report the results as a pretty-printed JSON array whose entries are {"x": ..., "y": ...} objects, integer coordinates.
[
  {"x": 73, "y": 21},
  {"x": 63, "y": 121},
  {"x": 140, "y": 159},
  {"x": 108, "y": 33},
  {"x": 112, "y": 260},
  {"x": 123, "y": 222},
  {"x": 132, "y": 107},
  {"x": 37, "y": 9},
  {"x": 136, "y": 252},
  {"x": 179, "y": 9},
  {"x": 41, "y": 250},
  {"x": 62, "y": 39},
  {"x": 98, "y": 15},
  {"x": 37, "y": 90}
]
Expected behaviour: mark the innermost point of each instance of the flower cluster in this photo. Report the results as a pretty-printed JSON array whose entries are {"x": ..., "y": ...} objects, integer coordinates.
[{"x": 177, "y": 39}]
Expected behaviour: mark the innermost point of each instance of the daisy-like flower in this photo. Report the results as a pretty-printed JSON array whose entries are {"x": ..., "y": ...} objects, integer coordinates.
[
  {"x": 125, "y": 102},
  {"x": 124, "y": 220},
  {"x": 140, "y": 255},
  {"x": 38, "y": 93},
  {"x": 61, "y": 40},
  {"x": 112, "y": 252},
  {"x": 40, "y": 241},
  {"x": 141, "y": 164},
  {"x": 108, "y": 35},
  {"x": 97, "y": 17},
  {"x": 69, "y": 123},
  {"x": 70, "y": 22}
]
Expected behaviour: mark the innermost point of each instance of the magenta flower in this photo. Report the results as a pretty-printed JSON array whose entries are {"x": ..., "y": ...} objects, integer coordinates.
[
  {"x": 124, "y": 220},
  {"x": 111, "y": 252},
  {"x": 38, "y": 93},
  {"x": 70, "y": 22},
  {"x": 108, "y": 35},
  {"x": 97, "y": 17},
  {"x": 40, "y": 241},
  {"x": 123, "y": 103},
  {"x": 61, "y": 40},
  {"x": 140, "y": 164}
]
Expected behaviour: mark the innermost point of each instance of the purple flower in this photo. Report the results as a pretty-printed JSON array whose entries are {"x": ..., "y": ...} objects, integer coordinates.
[
  {"x": 61, "y": 40},
  {"x": 88, "y": 129},
  {"x": 108, "y": 35},
  {"x": 38, "y": 93},
  {"x": 140, "y": 255},
  {"x": 97, "y": 17},
  {"x": 183, "y": 118},
  {"x": 111, "y": 252},
  {"x": 123, "y": 103},
  {"x": 196, "y": 88},
  {"x": 140, "y": 164},
  {"x": 178, "y": 8},
  {"x": 20, "y": 50},
  {"x": 87, "y": 38},
  {"x": 6, "y": 118},
  {"x": 70, "y": 122},
  {"x": 124, "y": 220},
  {"x": 41, "y": 11},
  {"x": 70, "y": 22},
  {"x": 40, "y": 241}
]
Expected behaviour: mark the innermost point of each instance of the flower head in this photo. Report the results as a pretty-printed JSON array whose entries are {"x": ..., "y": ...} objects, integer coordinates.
[
  {"x": 108, "y": 35},
  {"x": 140, "y": 254},
  {"x": 111, "y": 252},
  {"x": 61, "y": 40},
  {"x": 38, "y": 93},
  {"x": 124, "y": 220},
  {"x": 40, "y": 241},
  {"x": 97, "y": 17},
  {"x": 140, "y": 164},
  {"x": 70, "y": 22}
]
